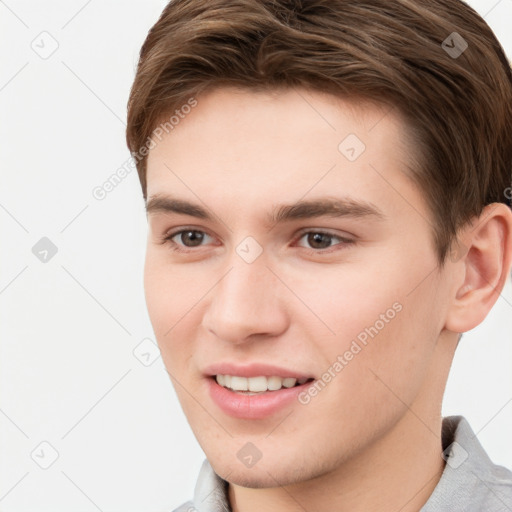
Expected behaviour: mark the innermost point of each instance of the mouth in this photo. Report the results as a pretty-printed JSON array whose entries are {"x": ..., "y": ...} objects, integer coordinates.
[
  {"x": 255, "y": 390},
  {"x": 255, "y": 398},
  {"x": 258, "y": 385}
]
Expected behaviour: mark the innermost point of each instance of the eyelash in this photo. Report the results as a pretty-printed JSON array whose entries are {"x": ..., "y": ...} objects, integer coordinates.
[{"x": 167, "y": 239}]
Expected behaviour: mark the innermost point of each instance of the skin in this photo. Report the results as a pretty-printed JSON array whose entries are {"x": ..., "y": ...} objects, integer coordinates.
[{"x": 371, "y": 439}]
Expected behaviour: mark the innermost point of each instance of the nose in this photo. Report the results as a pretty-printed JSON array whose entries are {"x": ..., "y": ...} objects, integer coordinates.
[{"x": 246, "y": 303}]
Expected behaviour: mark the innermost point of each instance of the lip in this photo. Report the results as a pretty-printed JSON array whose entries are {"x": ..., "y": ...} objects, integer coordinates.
[
  {"x": 253, "y": 407},
  {"x": 254, "y": 370}
]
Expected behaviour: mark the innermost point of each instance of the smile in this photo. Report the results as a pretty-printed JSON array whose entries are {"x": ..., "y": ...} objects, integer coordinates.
[{"x": 255, "y": 385}]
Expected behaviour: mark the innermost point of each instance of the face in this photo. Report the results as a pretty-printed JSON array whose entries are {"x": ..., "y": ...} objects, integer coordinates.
[{"x": 287, "y": 240}]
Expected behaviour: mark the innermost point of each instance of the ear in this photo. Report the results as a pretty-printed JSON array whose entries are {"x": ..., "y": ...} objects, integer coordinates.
[{"x": 480, "y": 264}]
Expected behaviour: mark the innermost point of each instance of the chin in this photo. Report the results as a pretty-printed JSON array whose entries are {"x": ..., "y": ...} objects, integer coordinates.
[
  {"x": 263, "y": 475},
  {"x": 261, "y": 480}
]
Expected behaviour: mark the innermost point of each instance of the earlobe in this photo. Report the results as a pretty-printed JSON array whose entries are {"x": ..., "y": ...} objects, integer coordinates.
[{"x": 483, "y": 268}]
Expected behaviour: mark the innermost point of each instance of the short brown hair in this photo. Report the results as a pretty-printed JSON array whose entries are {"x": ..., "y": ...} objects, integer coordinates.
[{"x": 410, "y": 54}]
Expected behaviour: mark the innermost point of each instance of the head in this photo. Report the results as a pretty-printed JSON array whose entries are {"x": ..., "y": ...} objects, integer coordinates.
[{"x": 328, "y": 191}]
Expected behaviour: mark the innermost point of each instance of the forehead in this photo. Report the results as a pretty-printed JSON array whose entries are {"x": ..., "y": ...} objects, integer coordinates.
[{"x": 250, "y": 148}]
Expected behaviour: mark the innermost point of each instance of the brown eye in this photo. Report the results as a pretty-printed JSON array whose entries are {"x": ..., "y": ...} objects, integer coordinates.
[
  {"x": 191, "y": 238},
  {"x": 319, "y": 240}
]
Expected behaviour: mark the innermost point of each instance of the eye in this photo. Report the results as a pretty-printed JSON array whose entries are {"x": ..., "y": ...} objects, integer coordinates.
[
  {"x": 187, "y": 238},
  {"x": 320, "y": 240}
]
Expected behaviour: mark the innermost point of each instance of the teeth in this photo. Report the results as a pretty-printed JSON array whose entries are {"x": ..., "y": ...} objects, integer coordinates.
[
  {"x": 289, "y": 382},
  {"x": 257, "y": 384},
  {"x": 274, "y": 383},
  {"x": 239, "y": 383}
]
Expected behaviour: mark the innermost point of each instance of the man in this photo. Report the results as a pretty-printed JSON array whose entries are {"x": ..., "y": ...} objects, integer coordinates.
[{"x": 327, "y": 187}]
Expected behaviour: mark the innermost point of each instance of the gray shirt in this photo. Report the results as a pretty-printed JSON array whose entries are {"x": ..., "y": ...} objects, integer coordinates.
[{"x": 470, "y": 481}]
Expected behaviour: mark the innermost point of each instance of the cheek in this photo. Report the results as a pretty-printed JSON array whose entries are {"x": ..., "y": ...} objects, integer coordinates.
[
  {"x": 171, "y": 291},
  {"x": 382, "y": 296},
  {"x": 349, "y": 301},
  {"x": 384, "y": 331},
  {"x": 171, "y": 297},
  {"x": 368, "y": 385}
]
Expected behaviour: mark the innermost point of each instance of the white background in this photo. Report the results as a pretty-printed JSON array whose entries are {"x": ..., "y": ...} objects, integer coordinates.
[{"x": 69, "y": 326}]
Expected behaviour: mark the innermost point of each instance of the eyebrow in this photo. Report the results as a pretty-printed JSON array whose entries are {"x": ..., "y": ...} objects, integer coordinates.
[
  {"x": 167, "y": 204},
  {"x": 331, "y": 207}
]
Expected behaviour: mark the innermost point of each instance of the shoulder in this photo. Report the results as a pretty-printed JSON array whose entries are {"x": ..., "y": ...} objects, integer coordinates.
[
  {"x": 471, "y": 482},
  {"x": 492, "y": 487}
]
